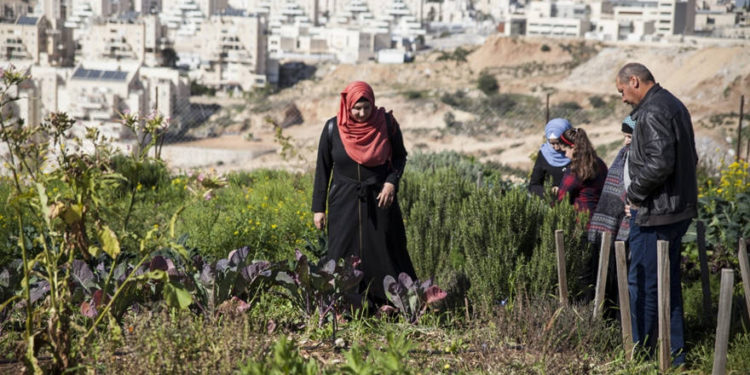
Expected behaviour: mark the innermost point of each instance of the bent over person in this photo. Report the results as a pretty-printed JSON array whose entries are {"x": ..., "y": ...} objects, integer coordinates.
[
  {"x": 364, "y": 149},
  {"x": 662, "y": 199}
]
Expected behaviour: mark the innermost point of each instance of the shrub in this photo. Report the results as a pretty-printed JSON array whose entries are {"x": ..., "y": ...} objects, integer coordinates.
[
  {"x": 487, "y": 83},
  {"x": 545, "y": 48},
  {"x": 500, "y": 240},
  {"x": 597, "y": 101}
]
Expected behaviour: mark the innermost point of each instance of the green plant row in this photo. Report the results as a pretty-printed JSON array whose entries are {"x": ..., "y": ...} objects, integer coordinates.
[{"x": 485, "y": 240}]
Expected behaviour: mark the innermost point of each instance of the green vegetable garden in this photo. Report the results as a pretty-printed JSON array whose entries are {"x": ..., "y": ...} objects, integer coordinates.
[{"x": 110, "y": 262}]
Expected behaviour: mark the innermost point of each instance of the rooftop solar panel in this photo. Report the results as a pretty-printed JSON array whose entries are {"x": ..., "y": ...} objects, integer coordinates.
[
  {"x": 80, "y": 73},
  {"x": 27, "y": 20},
  {"x": 94, "y": 74}
]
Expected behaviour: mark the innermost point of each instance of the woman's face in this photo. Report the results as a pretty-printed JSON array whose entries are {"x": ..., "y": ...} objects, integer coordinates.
[
  {"x": 569, "y": 151},
  {"x": 361, "y": 111},
  {"x": 555, "y": 143},
  {"x": 628, "y": 138}
]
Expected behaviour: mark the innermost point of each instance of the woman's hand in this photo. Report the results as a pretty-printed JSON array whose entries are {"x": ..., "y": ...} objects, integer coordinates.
[
  {"x": 387, "y": 195},
  {"x": 320, "y": 220}
]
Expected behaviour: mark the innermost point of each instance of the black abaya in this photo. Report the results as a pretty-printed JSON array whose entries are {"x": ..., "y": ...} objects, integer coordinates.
[{"x": 356, "y": 225}]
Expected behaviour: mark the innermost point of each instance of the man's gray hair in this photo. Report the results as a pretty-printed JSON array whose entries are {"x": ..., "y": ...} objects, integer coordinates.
[{"x": 635, "y": 69}]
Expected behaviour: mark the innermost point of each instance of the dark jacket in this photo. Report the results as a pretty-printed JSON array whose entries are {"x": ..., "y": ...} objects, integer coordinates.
[
  {"x": 542, "y": 172},
  {"x": 663, "y": 161}
]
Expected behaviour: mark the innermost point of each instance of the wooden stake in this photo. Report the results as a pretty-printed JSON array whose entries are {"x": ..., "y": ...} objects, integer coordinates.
[
  {"x": 744, "y": 271},
  {"x": 739, "y": 128},
  {"x": 561, "y": 274},
  {"x": 624, "y": 293},
  {"x": 601, "y": 275},
  {"x": 705, "y": 283},
  {"x": 663, "y": 309},
  {"x": 722, "y": 323}
]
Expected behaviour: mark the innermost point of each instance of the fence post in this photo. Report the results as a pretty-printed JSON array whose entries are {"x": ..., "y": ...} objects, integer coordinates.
[
  {"x": 744, "y": 271},
  {"x": 624, "y": 293},
  {"x": 722, "y": 324},
  {"x": 700, "y": 228},
  {"x": 739, "y": 128},
  {"x": 561, "y": 274},
  {"x": 601, "y": 275},
  {"x": 663, "y": 309}
]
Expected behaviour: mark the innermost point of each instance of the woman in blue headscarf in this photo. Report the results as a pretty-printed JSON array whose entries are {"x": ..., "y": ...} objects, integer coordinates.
[{"x": 551, "y": 161}]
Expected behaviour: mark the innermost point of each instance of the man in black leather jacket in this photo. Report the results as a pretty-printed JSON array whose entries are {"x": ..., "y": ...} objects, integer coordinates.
[{"x": 662, "y": 199}]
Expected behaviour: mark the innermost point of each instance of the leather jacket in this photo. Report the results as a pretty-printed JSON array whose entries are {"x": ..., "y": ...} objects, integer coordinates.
[{"x": 663, "y": 161}]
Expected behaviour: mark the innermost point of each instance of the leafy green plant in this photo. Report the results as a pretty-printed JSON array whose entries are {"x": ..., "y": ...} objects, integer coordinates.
[
  {"x": 364, "y": 359},
  {"x": 410, "y": 297},
  {"x": 284, "y": 359}
]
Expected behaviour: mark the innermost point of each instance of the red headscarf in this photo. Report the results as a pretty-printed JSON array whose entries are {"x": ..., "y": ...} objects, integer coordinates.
[{"x": 365, "y": 142}]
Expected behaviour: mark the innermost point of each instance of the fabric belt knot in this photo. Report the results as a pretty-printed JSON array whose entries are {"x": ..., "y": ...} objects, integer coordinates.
[{"x": 363, "y": 187}]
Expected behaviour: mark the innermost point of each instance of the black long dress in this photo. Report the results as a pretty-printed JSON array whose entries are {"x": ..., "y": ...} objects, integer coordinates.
[{"x": 356, "y": 225}]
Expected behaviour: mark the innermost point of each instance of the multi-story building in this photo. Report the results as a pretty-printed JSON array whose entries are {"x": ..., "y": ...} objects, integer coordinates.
[
  {"x": 140, "y": 39},
  {"x": 671, "y": 17},
  {"x": 231, "y": 50},
  {"x": 557, "y": 19},
  {"x": 25, "y": 39},
  {"x": 556, "y": 27},
  {"x": 10, "y": 10}
]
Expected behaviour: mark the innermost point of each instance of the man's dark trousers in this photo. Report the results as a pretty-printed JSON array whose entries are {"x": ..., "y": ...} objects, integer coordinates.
[{"x": 642, "y": 282}]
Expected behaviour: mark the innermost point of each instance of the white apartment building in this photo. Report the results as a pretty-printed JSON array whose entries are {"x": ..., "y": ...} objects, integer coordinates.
[
  {"x": 671, "y": 17},
  {"x": 138, "y": 39},
  {"x": 231, "y": 50},
  {"x": 499, "y": 10},
  {"x": 185, "y": 17},
  {"x": 10, "y": 10},
  {"x": 24, "y": 39},
  {"x": 709, "y": 20},
  {"x": 344, "y": 45},
  {"x": 565, "y": 19},
  {"x": 556, "y": 27}
]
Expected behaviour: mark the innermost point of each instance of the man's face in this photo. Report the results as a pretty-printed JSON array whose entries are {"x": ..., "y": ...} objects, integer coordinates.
[{"x": 629, "y": 90}]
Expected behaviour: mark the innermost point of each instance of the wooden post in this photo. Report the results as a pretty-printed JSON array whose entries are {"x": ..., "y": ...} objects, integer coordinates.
[
  {"x": 739, "y": 128},
  {"x": 561, "y": 274},
  {"x": 547, "y": 112},
  {"x": 663, "y": 309},
  {"x": 705, "y": 283},
  {"x": 744, "y": 271},
  {"x": 601, "y": 275},
  {"x": 624, "y": 293},
  {"x": 722, "y": 324}
]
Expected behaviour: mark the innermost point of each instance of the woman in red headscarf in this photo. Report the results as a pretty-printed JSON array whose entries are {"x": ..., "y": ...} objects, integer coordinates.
[{"x": 364, "y": 148}]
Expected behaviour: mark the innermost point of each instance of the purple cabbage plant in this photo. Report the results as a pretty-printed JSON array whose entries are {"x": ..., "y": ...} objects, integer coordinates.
[
  {"x": 410, "y": 297},
  {"x": 322, "y": 287},
  {"x": 232, "y": 281}
]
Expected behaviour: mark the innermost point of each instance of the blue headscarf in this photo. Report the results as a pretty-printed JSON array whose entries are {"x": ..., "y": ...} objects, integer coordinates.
[{"x": 554, "y": 129}]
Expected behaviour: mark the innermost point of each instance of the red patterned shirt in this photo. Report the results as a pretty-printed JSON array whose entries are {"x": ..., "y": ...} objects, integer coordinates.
[{"x": 584, "y": 195}]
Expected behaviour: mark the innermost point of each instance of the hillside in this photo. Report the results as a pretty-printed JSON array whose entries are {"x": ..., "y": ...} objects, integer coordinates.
[{"x": 506, "y": 127}]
